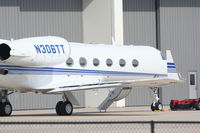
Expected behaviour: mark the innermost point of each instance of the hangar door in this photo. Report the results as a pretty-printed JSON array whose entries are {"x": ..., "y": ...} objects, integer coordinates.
[{"x": 27, "y": 18}]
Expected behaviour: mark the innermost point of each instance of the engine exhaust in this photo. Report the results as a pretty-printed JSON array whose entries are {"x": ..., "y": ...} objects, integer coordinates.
[{"x": 4, "y": 51}]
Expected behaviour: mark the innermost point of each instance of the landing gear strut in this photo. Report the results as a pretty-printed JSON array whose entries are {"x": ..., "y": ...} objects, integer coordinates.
[
  {"x": 156, "y": 105},
  {"x": 64, "y": 107},
  {"x": 5, "y": 106}
]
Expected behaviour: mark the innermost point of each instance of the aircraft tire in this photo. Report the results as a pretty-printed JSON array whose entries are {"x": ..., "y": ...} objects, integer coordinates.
[
  {"x": 66, "y": 108},
  {"x": 5, "y": 109},
  {"x": 197, "y": 105},
  {"x": 156, "y": 106},
  {"x": 159, "y": 106},
  {"x": 58, "y": 107},
  {"x": 172, "y": 106},
  {"x": 153, "y": 107}
]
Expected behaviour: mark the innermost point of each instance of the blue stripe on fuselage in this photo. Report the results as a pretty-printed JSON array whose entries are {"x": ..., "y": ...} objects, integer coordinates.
[
  {"x": 169, "y": 63},
  {"x": 171, "y": 66},
  {"x": 171, "y": 70},
  {"x": 58, "y": 71}
]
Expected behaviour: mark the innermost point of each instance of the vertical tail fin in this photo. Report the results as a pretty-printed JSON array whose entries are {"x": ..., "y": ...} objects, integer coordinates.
[{"x": 171, "y": 68}]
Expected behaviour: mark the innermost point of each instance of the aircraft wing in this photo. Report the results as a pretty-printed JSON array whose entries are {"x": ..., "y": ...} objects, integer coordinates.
[
  {"x": 156, "y": 82},
  {"x": 85, "y": 87}
]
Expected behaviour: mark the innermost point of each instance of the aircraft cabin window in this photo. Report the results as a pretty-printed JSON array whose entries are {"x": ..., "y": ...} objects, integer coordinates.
[
  {"x": 69, "y": 61},
  {"x": 135, "y": 63},
  {"x": 95, "y": 62},
  {"x": 82, "y": 61},
  {"x": 122, "y": 62},
  {"x": 109, "y": 62}
]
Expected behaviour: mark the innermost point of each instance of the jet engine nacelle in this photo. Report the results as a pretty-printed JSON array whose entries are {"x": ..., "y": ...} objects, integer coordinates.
[{"x": 35, "y": 51}]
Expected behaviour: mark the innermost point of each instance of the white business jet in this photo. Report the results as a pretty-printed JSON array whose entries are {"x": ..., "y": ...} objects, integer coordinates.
[{"x": 52, "y": 65}]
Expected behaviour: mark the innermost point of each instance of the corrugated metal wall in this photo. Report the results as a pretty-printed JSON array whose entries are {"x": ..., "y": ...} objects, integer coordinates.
[
  {"x": 179, "y": 22},
  {"x": 139, "y": 22},
  {"x": 139, "y": 29},
  {"x": 27, "y": 18},
  {"x": 180, "y": 30}
]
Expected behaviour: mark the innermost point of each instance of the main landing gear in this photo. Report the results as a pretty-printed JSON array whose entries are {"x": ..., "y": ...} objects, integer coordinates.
[
  {"x": 5, "y": 106},
  {"x": 64, "y": 107},
  {"x": 156, "y": 105}
]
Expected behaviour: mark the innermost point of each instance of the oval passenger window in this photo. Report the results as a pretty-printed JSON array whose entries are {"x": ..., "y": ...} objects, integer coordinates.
[
  {"x": 95, "y": 62},
  {"x": 82, "y": 61},
  {"x": 69, "y": 61},
  {"x": 135, "y": 63},
  {"x": 122, "y": 62},
  {"x": 109, "y": 62}
]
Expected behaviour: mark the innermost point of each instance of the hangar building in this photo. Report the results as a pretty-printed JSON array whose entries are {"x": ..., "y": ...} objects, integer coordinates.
[{"x": 164, "y": 24}]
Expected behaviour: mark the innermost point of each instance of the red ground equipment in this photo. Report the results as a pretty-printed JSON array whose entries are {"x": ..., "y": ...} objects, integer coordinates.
[{"x": 185, "y": 104}]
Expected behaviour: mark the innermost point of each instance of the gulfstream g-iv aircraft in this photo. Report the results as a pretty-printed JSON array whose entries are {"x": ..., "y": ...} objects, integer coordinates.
[{"x": 53, "y": 65}]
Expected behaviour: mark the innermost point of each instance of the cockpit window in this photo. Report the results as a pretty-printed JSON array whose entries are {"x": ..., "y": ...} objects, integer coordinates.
[{"x": 163, "y": 56}]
